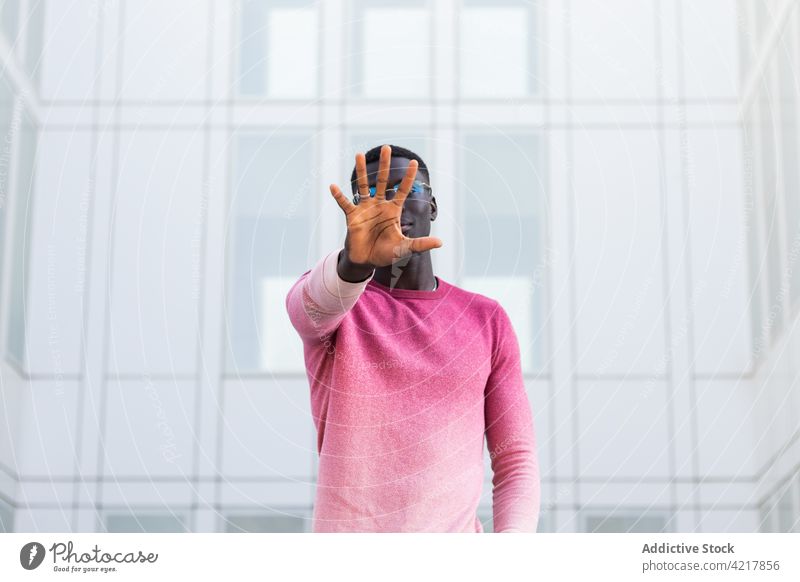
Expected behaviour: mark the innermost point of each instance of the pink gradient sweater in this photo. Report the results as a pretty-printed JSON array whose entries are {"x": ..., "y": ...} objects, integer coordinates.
[{"x": 404, "y": 385}]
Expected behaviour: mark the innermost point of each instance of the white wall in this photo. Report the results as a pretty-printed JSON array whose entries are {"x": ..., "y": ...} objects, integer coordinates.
[
  {"x": 639, "y": 362},
  {"x": 771, "y": 87}
]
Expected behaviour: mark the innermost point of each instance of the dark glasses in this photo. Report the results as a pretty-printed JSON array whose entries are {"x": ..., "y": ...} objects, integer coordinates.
[{"x": 417, "y": 187}]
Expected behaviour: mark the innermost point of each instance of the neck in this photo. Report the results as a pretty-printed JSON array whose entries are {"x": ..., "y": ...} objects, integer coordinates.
[{"x": 414, "y": 272}]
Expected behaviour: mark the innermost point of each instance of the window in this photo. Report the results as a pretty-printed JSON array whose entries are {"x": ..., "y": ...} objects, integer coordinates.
[
  {"x": 54, "y": 307},
  {"x": 767, "y": 515},
  {"x": 21, "y": 241},
  {"x": 797, "y": 502},
  {"x": 504, "y": 255},
  {"x": 789, "y": 67},
  {"x": 764, "y": 21},
  {"x": 145, "y": 523},
  {"x": 154, "y": 305},
  {"x": 70, "y": 75},
  {"x": 785, "y": 508},
  {"x": 545, "y": 522},
  {"x": 6, "y": 137},
  {"x": 754, "y": 248},
  {"x": 34, "y": 31},
  {"x": 9, "y": 14},
  {"x": 273, "y": 522},
  {"x": 278, "y": 48},
  {"x": 390, "y": 49},
  {"x": 270, "y": 244},
  {"x": 768, "y": 185},
  {"x": 486, "y": 517},
  {"x": 508, "y": 68},
  {"x": 641, "y": 523},
  {"x": 6, "y": 517},
  {"x": 165, "y": 50}
]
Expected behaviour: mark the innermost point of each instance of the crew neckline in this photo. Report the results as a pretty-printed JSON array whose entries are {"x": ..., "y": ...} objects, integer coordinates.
[{"x": 437, "y": 293}]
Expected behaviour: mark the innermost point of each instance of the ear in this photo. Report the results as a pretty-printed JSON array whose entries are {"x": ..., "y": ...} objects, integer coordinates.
[{"x": 434, "y": 208}]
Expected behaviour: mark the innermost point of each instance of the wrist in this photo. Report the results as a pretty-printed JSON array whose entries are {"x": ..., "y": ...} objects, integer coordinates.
[{"x": 350, "y": 271}]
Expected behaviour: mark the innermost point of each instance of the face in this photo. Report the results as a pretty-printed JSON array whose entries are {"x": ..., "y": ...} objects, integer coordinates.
[{"x": 419, "y": 208}]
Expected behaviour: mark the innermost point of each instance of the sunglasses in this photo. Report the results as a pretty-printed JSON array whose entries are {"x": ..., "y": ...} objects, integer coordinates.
[{"x": 417, "y": 187}]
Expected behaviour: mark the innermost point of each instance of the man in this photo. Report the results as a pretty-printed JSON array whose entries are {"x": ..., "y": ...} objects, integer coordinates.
[{"x": 408, "y": 373}]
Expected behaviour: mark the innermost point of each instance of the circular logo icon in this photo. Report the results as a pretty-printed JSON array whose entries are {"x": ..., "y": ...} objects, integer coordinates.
[{"x": 31, "y": 555}]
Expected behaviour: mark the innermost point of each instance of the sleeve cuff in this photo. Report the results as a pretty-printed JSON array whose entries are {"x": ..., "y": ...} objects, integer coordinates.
[{"x": 331, "y": 291}]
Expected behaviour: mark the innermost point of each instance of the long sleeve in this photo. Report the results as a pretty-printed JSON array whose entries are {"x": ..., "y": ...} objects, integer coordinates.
[
  {"x": 510, "y": 436},
  {"x": 320, "y": 299}
]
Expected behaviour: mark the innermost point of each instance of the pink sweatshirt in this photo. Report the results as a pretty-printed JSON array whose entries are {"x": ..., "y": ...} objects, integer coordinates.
[{"x": 404, "y": 386}]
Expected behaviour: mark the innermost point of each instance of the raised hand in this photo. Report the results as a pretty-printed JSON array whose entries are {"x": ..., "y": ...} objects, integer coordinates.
[{"x": 374, "y": 238}]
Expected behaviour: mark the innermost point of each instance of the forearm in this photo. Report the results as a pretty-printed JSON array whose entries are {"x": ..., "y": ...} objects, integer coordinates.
[
  {"x": 516, "y": 492},
  {"x": 320, "y": 299}
]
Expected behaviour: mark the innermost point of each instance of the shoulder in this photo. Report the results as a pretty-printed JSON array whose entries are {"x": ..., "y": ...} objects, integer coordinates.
[{"x": 486, "y": 307}]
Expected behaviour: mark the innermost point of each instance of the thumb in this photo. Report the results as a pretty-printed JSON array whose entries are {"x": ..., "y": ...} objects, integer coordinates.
[{"x": 424, "y": 243}]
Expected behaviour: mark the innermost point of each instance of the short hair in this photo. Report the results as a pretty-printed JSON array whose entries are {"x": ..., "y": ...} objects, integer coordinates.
[{"x": 374, "y": 155}]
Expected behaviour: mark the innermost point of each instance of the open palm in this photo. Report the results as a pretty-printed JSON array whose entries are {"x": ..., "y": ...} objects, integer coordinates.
[{"x": 373, "y": 236}]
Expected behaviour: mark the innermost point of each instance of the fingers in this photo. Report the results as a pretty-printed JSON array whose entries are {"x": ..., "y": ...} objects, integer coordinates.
[
  {"x": 384, "y": 165},
  {"x": 361, "y": 176},
  {"x": 405, "y": 185},
  {"x": 417, "y": 245},
  {"x": 344, "y": 203}
]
